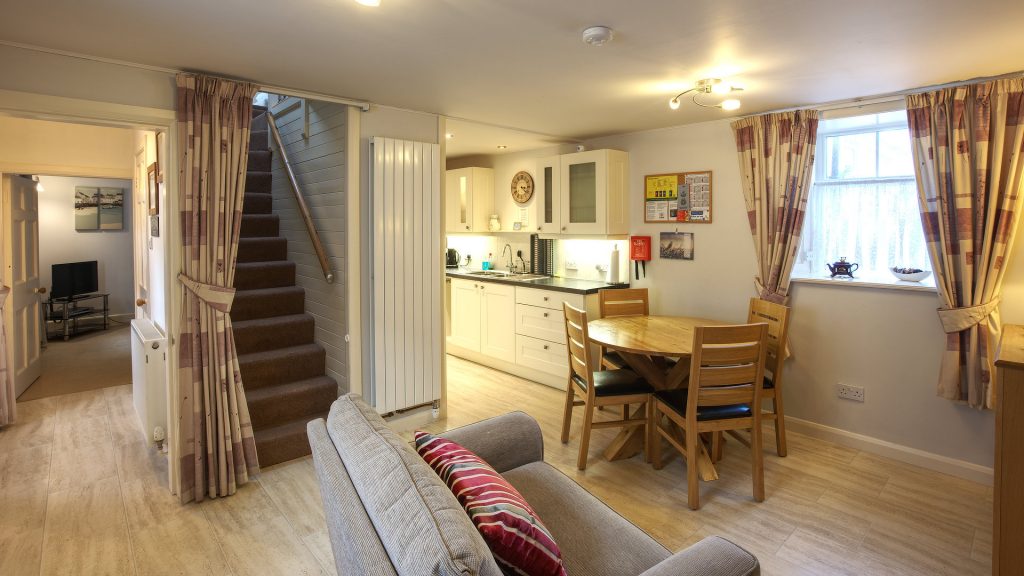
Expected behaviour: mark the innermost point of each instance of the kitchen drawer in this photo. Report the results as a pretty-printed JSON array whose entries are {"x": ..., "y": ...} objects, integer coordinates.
[
  {"x": 542, "y": 355},
  {"x": 549, "y": 298},
  {"x": 542, "y": 323}
]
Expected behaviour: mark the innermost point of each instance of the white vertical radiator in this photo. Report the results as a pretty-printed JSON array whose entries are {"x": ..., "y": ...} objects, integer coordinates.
[
  {"x": 149, "y": 378},
  {"x": 406, "y": 268}
]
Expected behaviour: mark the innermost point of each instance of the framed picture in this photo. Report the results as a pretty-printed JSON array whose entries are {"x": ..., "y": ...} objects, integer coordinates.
[
  {"x": 87, "y": 214},
  {"x": 110, "y": 203},
  {"x": 154, "y": 226},
  {"x": 153, "y": 188},
  {"x": 677, "y": 245}
]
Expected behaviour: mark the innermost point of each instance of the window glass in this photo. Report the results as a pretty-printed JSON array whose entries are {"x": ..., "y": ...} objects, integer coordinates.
[{"x": 863, "y": 200}]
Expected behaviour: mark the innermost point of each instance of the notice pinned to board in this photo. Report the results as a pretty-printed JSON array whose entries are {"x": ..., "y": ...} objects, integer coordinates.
[{"x": 678, "y": 197}]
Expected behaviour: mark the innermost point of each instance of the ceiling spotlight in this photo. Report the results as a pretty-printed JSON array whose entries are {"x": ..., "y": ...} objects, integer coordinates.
[
  {"x": 709, "y": 86},
  {"x": 598, "y": 35},
  {"x": 369, "y": 2},
  {"x": 502, "y": 147},
  {"x": 449, "y": 135}
]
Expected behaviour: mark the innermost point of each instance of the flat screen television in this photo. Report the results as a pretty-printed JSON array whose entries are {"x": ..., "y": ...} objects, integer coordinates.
[{"x": 74, "y": 279}]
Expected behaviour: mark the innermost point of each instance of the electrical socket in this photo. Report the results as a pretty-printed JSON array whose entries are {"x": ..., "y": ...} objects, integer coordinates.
[
  {"x": 855, "y": 393},
  {"x": 570, "y": 264}
]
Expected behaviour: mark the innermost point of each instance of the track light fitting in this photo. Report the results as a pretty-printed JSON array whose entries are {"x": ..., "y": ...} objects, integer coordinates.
[{"x": 709, "y": 86}]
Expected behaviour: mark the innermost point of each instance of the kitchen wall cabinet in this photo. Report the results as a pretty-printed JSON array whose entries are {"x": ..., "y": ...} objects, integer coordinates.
[
  {"x": 583, "y": 193},
  {"x": 469, "y": 199}
]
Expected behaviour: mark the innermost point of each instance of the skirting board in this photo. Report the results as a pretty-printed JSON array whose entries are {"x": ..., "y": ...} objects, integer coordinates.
[{"x": 936, "y": 462}]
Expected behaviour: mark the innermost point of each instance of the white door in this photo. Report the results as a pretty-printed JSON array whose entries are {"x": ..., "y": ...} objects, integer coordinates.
[{"x": 21, "y": 255}]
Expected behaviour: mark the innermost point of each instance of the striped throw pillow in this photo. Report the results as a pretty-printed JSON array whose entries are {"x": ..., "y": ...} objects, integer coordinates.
[{"x": 520, "y": 542}]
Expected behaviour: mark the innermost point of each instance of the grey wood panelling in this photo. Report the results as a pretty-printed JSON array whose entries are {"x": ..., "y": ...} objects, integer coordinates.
[{"x": 319, "y": 166}]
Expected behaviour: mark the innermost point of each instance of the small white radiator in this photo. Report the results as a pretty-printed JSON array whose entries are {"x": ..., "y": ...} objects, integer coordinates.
[
  {"x": 406, "y": 267},
  {"x": 149, "y": 378}
]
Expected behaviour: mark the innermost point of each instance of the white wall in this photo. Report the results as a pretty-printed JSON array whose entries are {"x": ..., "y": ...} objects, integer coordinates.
[
  {"x": 62, "y": 149},
  {"x": 319, "y": 163},
  {"x": 59, "y": 242},
  {"x": 887, "y": 341}
]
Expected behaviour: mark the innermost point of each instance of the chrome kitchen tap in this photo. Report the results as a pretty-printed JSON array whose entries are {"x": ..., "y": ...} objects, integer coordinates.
[{"x": 511, "y": 263}]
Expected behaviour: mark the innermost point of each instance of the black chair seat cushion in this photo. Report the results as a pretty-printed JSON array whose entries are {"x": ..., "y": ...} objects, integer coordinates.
[
  {"x": 615, "y": 383},
  {"x": 676, "y": 400}
]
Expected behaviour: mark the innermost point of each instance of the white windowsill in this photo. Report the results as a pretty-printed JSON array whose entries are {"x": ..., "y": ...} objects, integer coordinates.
[{"x": 871, "y": 281}]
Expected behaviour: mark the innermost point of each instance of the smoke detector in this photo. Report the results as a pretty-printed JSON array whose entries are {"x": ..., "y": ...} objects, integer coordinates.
[{"x": 598, "y": 35}]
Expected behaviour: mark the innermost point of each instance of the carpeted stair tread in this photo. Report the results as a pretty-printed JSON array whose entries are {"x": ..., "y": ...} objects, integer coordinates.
[
  {"x": 265, "y": 249},
  {"x": 258, "y": 203},
  {"x": 274, "y": 332},
  {"x": 259, "y": 160},
  {"x": 271, "y": 367},
  {"x": 266, "y": 302},
  {"x": 271, "y": 405},
  {"x": 256, "y": 275},
  {"x": 260, "y": 225},
  {"x": 258, "y": 140},
  {"x": 258, "y": 181},
  {"x": 285, "y": 442}
]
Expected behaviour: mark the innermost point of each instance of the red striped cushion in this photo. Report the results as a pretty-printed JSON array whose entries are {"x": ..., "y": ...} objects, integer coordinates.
[{"x": 520, "y": 542}]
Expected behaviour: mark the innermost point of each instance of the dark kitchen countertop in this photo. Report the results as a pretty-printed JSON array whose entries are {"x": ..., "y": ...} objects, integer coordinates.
[{"x": 571, "y": 285}]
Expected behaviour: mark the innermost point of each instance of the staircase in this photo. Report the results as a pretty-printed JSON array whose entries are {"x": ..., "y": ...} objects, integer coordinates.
[{"x": 282, "y": 367}]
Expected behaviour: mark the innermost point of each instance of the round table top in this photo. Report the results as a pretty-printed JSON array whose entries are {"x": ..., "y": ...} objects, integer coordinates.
[{"x": 649, "y": 335}]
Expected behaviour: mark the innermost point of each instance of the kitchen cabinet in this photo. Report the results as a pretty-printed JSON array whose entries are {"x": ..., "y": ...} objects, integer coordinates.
[
  {"x": 540, "y": 329},
  {"x": 469, "y": 199},
  {"x": 465, "y": 314},
  {"x": 548, "y": 200},
  {"x": 583, "y": 193},
  {"x": 483, "y": 317},
  {"x": 497, "y": 321}
]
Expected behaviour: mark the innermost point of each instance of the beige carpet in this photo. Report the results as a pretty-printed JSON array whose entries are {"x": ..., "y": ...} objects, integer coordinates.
[{"x": 89, "y": 361}]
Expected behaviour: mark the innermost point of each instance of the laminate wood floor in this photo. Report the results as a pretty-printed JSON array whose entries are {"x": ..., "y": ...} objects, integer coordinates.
[{"x": 80, "y": 493}]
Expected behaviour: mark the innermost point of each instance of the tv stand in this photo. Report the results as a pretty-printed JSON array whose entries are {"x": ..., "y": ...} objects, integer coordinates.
[{"x": 67, "y": 311}]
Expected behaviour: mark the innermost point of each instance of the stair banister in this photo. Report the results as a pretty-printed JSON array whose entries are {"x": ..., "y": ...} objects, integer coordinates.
[{"x": 314, "y": 237}]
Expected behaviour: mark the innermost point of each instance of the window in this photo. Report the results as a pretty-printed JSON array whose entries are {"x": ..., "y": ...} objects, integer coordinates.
[{"x": 863, "y": 200}]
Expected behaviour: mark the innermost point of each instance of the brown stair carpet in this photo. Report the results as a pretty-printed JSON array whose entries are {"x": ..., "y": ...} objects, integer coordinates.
[{"x": 282, "y": 367}]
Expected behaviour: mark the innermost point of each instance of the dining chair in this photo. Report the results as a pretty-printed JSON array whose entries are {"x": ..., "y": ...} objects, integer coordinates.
[
  {"x": 776, "y": 316},
  {"x": 726, "y": 374},
  {"x": 597, "y": 388},
  {"x": 620, "y": 302}
]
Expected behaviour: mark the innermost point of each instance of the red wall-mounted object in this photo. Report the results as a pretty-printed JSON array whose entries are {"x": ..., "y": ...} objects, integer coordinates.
[{"x": 640, "y": 248}]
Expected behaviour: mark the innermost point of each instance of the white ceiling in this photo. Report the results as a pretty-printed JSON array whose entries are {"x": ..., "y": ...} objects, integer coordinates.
[{"x": 521, "y": 64}]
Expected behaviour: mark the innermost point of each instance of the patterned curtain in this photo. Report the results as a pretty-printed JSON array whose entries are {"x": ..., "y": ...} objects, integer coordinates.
[
  {"x": 776, "y": 154},
  {"x": 217, "y": 450},
  {"x": 967, "y": 144},
  {"x": 7, "y": 408}
]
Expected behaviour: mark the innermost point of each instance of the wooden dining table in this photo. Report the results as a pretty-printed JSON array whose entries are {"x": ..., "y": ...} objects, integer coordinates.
[{"x": 646, "y": 343}]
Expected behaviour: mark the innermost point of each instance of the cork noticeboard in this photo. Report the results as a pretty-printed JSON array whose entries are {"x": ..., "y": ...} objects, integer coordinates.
[{"x": 678, "y": 197}]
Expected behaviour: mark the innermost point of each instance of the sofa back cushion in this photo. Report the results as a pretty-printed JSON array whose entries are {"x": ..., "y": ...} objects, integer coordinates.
[{"x": 419, "y": 522}]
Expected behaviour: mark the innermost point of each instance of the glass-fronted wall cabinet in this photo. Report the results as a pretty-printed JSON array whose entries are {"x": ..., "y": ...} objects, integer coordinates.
[
  {"x": 469, "y": 199},
  {"x": 547, "y": 190},
  {"x": 594, "y": 186}
]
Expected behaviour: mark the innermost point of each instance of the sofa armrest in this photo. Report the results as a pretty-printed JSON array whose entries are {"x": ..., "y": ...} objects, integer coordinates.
[
  {"x": 505, "y": 442},
  {"x": 712, "y": 555}
]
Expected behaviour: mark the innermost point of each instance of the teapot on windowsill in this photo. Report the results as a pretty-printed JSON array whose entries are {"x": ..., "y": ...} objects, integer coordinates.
[{"x": 842, "y": 268}]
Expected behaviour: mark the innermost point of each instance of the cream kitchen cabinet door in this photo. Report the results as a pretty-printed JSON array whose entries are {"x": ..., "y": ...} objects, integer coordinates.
[
  {"x": 469, "y": 199},
  {"x": 497, "y": 321},
  {"x": 593, "y": 187},
  {"x": 465, "y": 314}
]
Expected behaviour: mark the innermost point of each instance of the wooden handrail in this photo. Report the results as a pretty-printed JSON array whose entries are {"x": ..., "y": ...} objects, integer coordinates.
[{"x": 303, "y": 209}]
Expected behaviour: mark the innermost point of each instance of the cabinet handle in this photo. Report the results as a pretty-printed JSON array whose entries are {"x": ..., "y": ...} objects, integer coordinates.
[
  {"x": 538, "y": 228},
  {"x": 563, "y": 228},
  {"x": 545, "y": 346},
  {"x": 545, "y": 314},
  {"x": 545, "y": 298},
  {"x": 467, "y": 227}
]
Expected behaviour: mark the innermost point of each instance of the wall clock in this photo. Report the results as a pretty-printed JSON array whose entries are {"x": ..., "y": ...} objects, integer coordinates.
[{"x": 522, "y": 187}]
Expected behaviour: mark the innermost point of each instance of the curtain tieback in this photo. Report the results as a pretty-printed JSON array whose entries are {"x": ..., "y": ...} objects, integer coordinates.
[
  {"x": 766, "y": 294},
  {"x": 960, "y": 319},
  {"x": 218, "y": 297}
]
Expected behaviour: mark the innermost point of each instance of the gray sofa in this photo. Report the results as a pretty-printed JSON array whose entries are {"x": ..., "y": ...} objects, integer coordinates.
[{"x": 388, "y": 513}]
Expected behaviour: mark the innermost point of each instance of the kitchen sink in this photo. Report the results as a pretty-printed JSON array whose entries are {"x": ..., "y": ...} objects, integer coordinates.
[
  {"x": 505, "y": 274},
  {"x": 491, "y": 273}
]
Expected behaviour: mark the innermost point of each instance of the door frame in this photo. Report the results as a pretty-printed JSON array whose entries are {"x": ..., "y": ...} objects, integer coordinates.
[{"x": 60, "y": 109}]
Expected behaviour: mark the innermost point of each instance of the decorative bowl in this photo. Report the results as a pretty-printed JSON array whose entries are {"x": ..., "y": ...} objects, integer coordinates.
[{"x": 910, "y": 274}]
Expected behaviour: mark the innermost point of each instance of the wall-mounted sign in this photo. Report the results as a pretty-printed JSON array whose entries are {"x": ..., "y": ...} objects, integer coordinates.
[{"x": 678, "y": 197}]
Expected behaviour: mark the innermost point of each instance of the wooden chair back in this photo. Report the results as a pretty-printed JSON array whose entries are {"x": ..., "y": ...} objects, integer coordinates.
[
  {"x": 727, "y": 366},
  {"x": 576, "y": 339},
  {"x": 776, "y": 316},
  {"x": 624, "y": 302}
]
